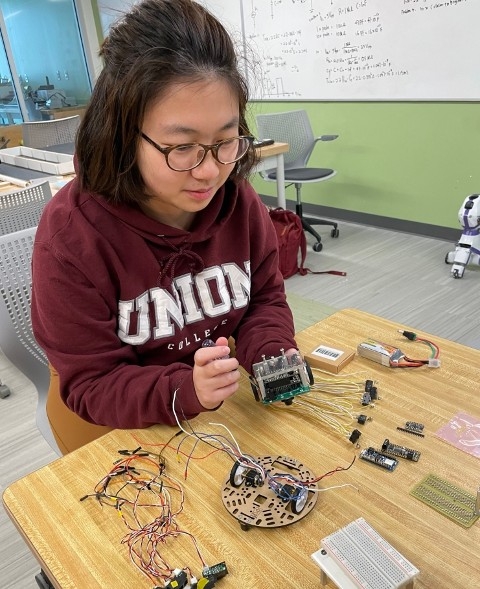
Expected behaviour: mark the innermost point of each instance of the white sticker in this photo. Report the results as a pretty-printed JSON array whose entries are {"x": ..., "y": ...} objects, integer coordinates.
[{"x": 328, "y": 353}]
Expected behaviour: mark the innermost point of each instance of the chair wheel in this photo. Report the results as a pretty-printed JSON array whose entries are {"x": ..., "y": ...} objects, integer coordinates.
[
  {"x": 317, "y": 247},
  {"x": 335, "y": 232}
]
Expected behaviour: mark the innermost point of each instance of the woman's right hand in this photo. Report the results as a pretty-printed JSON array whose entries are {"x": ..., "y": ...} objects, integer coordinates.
[{"x": 215, "y": 375}]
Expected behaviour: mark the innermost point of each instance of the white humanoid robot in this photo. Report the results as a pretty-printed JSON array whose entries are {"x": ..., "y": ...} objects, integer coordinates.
[{"x": 467, "y": 250}]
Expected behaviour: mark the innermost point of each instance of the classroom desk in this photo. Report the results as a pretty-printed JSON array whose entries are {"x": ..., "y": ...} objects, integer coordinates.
[
  {"x": 62, "y": 112},
  {"x": 79, "y": 543},
  {"x": 271, "y": 156}
]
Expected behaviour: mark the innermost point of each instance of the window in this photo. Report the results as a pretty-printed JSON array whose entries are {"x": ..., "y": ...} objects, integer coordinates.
[{"x": 43, "y": 71}]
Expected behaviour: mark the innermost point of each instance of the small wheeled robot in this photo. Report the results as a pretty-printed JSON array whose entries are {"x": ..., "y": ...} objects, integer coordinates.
[
  {"x": 269, "y": 491},
  {"x": 281, "y": 378},
  {"x": 467, "y": 249}
]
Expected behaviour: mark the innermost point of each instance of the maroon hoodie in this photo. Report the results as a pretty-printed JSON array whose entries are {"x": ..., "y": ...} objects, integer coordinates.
[{"x": 121, "y": 302}]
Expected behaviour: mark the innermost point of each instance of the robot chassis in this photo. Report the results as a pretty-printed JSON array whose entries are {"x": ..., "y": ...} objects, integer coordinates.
[
  {"x": 271, "y": 499},
  {"x": 467, "y": 249},
  {"x": 272, "y": 491}
]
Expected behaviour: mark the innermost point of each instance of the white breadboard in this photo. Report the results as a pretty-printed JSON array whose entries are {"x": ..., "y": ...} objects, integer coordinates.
[{"x": 357, "y": 556}]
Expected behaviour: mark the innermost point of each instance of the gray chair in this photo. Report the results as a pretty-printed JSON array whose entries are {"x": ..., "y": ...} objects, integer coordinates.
[
  {"x": 16, "y": 336},
  {"x": 294, "y": 128},
  {"x": 22, "y": 208},
  {"x": 41, "y": 134}
]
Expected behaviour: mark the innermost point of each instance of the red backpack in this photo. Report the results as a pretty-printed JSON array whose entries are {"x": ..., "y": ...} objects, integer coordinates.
[{"x": 292, "y": 244}]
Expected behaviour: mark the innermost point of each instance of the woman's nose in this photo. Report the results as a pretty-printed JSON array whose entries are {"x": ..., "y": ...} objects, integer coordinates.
[{"x": 209, "y": 168}]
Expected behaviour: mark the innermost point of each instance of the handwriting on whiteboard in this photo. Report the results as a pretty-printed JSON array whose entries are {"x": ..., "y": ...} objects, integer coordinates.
[{"x": 310, "y": 49}]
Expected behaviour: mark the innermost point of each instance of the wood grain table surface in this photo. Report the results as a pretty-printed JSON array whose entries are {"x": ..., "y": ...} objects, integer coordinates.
[
  {"x": 79, "y": 543},
  {"x": 273, "y": 149}
]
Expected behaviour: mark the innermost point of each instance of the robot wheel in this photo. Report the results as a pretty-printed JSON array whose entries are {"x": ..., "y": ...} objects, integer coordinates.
[
  {"x": 456, "y": 273},
  {"x": 449, "y": 258}
]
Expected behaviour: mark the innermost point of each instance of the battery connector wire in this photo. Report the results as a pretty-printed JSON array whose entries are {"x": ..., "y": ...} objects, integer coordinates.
[{"x": 406, "y": 362}]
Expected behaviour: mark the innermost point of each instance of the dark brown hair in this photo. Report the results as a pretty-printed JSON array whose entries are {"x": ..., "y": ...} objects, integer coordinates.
[{"x": 156, "y": 44}]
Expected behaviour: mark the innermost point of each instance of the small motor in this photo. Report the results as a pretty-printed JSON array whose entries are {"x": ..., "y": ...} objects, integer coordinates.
[{"x": 467, "y": 249}]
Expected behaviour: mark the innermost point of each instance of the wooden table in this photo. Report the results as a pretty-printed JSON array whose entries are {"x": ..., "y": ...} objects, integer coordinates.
[
  {"x": 64, "y": 111},
  {"x": 12, "y": 133},
  {"x": 271, "y": 156},
  {"x": 78, "y": 543},
  {"x": 55, "y": 183}
]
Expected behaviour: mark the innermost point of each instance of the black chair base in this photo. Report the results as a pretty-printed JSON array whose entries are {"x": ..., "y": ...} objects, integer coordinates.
[{"x": 308, "y": 222}]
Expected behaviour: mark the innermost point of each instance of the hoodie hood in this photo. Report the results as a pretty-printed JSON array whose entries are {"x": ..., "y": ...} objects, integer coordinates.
[
  {"x": 206, "y": 222},
  {"x": 178, "y": 242}
]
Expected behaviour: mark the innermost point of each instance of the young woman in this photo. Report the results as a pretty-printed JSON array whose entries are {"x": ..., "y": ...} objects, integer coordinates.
[{"x": 159, "y": 243}]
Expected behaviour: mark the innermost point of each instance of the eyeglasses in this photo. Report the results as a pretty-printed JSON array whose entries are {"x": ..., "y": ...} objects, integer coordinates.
[{"x": 188, "y": 156}]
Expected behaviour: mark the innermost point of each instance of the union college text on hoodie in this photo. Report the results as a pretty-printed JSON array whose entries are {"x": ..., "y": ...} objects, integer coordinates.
[{"x": 121, "y": 302}]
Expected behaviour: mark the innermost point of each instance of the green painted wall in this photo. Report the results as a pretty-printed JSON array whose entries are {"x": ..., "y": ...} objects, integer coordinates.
[{"x": 409, "y": 161}]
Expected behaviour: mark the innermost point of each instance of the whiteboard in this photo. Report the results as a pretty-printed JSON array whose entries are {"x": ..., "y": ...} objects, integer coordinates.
[
  {"x": 358, "y": 49},
  {"x": 229, "y": 12},
  {"x": 350, "y": 49}
]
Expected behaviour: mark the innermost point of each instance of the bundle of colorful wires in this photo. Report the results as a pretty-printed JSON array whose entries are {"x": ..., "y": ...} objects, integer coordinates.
[{"x": 138, "y": 487}]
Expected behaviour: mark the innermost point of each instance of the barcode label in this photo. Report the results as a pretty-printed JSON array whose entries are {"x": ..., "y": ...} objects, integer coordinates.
[{"x": 326, "y": 352}]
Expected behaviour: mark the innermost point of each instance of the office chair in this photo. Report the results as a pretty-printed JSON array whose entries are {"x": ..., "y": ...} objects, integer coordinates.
[
  {"x": 41, "y": 134},
  {"x": 293, "y": 127},
  {"x": 16, "y": 336},
  {"x": 22, "y": 208}
]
